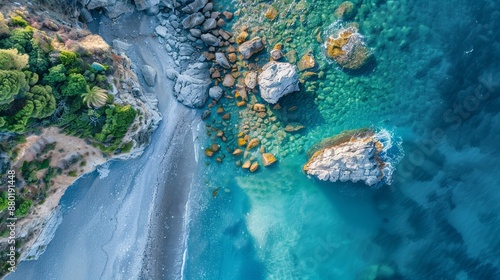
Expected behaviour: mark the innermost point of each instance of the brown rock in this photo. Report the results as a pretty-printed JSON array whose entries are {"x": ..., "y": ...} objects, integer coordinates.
[
  {"x": 231, "y": 49},
  {"x": 306, "y": 62},
  {"x": 240, "y": 103},
  {"x": 293, "y": 108},
  {"x": 247, "y": 164},
  {"x": 293, "y": 127},
  {"x": 242, "y": 142},
  {"x": 228, "y": 15},
  {"x": 220, "y": 23},
  {"x": 232, "y": 57},
  {"x": 354, "y": 57},
  {"x": 228, "y": 81},
  {"x": 277, "y": 106},
  {"x": 271, "y": 13},
  {"x": 242, "y": 37},
  {"x": 268, "y": 159},
  {"x": 259, "y": 107},
  {"x": 278, "y": 46},
  {"x": 254, "y": 166},
  {"x": 253, "y": 143},
  {"x": 226, "y": 116},
  {"x": 307, "y": 75},
  {"x": 215, "y": 74},
  {"x": 237, "y": 152},
  {"x": 209, "y": 55},
  {"x": 215, "y": 147},
  {"x": 209, "y": 152},
  {"x": 220, "y": 110}
]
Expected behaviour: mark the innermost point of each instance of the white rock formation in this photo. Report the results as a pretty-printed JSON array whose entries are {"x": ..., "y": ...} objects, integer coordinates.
[
  {"x": 350, "y": 159},
  {"x": 278, "y": 79}
]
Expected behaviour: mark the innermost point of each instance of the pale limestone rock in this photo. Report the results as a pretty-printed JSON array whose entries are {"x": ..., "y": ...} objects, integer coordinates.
[{"x": 277, "y": 79}]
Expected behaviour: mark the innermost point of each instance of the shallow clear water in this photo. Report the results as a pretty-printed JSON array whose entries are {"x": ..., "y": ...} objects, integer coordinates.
[{"x": 434, "y": 84}]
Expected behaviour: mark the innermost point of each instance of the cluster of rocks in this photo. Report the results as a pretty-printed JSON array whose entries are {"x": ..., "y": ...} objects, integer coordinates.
[{"x": 351, "y": 156}]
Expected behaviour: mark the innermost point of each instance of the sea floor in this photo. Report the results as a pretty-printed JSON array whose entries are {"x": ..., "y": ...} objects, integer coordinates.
[{"x": 434, "y": 84}]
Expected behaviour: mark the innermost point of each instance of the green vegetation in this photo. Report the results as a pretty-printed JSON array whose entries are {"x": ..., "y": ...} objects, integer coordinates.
[
  {"x": 41, "y": 86},
  {"x": 95, "y": 97},
  {"x": 23, "y": 207},
  {"x": 4, "y": 202}
]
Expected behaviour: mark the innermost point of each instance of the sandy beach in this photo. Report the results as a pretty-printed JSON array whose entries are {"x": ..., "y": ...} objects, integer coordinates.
[{"x": 130, "y": 224}]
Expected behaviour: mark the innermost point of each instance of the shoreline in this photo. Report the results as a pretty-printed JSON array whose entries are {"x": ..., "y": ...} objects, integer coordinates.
[
  {"x": 166, "y": 223},
  {"x": 162, "y": 189}
]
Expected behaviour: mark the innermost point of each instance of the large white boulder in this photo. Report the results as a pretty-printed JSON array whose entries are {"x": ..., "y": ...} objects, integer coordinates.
[{"x": 277, "y": 79}]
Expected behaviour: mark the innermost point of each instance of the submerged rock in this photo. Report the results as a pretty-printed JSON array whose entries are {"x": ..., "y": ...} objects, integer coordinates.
[
  {"x": 351, "y": 156},
  {"x": 306, "y": 62},
  {"x": 278, "y": 79},
  {"x": 249, "y": 48},
  {"x": 191, "y": 87},
  {"x": 268, "y": 159},
  {"x": 345, "y": 11},
  {"x": 347, "y": 48}
]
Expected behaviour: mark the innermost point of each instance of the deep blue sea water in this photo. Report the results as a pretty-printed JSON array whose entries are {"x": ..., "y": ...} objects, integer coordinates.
[{"x": 435, "y": 85}]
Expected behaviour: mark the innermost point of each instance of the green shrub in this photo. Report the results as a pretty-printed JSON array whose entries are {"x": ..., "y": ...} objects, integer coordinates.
[
  {"x": 10, "y": 59},
  {"x": 23, "y": 208},
  {"x": 19, "y": 21}
]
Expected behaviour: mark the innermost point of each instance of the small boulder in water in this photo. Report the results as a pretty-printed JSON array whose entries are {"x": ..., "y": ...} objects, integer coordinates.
[
  {"x": 249, "y": 48},
  {"x": 347, "y": 48}
]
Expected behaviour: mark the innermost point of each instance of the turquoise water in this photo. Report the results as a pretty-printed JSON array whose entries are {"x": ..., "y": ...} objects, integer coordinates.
[{"x": 434, "y": 84}]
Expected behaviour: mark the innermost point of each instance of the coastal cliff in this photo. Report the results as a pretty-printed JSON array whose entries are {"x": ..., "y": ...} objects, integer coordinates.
[{"x": 81, "y": 106}]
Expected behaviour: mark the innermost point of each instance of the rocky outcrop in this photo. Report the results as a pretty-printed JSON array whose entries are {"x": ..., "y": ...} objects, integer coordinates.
[
  {"x": 249, "y": 48},
  {"x": 191, "y": 86},
  {"x": 347, "y": 48},
  {"x": 149, "y": 74},
  {"x": 277, "y": 79},
  {"x": 351, "y": 156}
]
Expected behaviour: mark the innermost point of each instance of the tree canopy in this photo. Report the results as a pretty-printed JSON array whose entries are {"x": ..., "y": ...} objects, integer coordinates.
[
  {"x": 10, "y": 59},
  {"x": 11, "y": 84}
]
